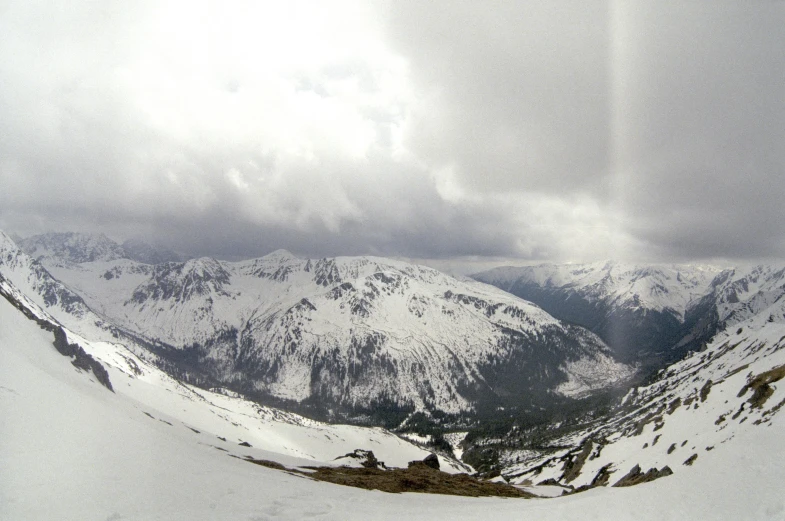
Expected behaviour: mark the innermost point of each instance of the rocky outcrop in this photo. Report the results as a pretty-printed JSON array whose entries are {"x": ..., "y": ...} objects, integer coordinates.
[{"x": 636, "y": 477}]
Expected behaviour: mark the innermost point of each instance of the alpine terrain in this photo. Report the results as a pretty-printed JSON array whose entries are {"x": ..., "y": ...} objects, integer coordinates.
[
  {"x": 649, "y": 315},
  {"x": 361, "y": 338},
  {"x": 96, "y": 429}
]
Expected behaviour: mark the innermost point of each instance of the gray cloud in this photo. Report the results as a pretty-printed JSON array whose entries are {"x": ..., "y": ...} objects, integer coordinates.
[
  {"x": 669, "y": 115},
  {"x": 537, "y": 130},
  {"x": 704, "y": 141},
  {"x": 518, "y": 92}
]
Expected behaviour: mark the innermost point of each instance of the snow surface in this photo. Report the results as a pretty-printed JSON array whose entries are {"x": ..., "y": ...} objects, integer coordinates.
[{"x": 74, "y": 450}]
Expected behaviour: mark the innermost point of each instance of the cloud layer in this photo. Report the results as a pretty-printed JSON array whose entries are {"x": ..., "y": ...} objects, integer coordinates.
[{"x": 536, "y": 130}]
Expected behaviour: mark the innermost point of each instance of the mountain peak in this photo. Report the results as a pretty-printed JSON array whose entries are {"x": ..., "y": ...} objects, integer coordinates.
[
  {"x": 281, "y": 255},
  {"x": 73, "y": 247}
]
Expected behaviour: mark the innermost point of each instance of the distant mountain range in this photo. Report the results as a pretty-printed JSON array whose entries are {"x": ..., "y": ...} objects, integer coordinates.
[
  {"x": 649, "y": 315},
  {"x": 347, "y": 337},
  {"x": 81, "y": 247},
  {"x": 705, "y": 406}
]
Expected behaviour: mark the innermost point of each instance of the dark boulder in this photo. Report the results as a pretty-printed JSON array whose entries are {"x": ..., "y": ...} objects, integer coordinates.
[{"x": 432, "y": 461}]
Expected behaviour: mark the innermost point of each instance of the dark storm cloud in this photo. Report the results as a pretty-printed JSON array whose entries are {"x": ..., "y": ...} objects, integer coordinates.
[{"x": 537, "y": 130}]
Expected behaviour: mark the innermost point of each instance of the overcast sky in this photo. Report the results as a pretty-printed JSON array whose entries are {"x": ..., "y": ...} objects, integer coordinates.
[{"x": 455, "y": 131}]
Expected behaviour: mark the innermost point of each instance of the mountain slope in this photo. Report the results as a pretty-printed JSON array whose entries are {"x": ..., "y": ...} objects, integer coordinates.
[
  {"x": 648, "y": 314},
  {"x": 651, "y": 315},
  {"x": 73, "y": 450},
  {"x": 344, "y": 336},
  {"x": 216, "y": 418}
]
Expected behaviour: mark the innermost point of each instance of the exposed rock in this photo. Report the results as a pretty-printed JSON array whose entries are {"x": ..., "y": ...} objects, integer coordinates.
[
  {"x": 366, "y": 458},
  {"x": 761, "y": 387},
  {"x": 602, "y": 477},
  {"x": 704, "y": 392},
  {"x": 432, "y": 461},
  {"x": 81, "y": 360},
  {"x": 573, "y": 465},
  {"x": 636, "y": 477}
]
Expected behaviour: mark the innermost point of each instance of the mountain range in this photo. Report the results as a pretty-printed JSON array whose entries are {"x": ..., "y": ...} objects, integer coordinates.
[
  {"x": 107, "y": 404},
  {"x": 360, "y": 338},
  {"x": 649, "y": 315}
]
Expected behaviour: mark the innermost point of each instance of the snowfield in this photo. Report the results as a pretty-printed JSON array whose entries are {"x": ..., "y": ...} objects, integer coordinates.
[{"x": 72, "y": 449}]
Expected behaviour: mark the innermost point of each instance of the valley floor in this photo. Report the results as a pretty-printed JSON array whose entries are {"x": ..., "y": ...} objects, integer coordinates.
[{"x": 70, "y": 449}]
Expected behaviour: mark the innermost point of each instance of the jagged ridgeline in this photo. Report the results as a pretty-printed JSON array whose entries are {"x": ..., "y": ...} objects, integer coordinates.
[
  {"x": 360, "y": 338},
  {"x": 650, "y": 316}
]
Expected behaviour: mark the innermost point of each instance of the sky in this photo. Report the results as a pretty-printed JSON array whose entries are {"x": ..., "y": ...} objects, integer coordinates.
[{"x": 459, "y": 133}]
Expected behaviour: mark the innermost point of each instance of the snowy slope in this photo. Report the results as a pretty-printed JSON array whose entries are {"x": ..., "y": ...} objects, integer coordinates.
[
  {"x": 348, "y": 332},
  {"x": 702, "y": 407},
  {"x": 216, "y": 419},
  {"x": 74, "y": 450}
]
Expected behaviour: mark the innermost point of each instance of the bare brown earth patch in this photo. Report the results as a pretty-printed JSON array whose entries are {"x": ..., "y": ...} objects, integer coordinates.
[
  {"x": 419, "y": 477},
  {"x": 416, "y": 478}
]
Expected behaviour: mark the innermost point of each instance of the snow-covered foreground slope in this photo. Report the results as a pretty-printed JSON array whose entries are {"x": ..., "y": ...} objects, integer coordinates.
[
  {"x": 339, "y": 336},
  {"x": 72, "y": 449}
]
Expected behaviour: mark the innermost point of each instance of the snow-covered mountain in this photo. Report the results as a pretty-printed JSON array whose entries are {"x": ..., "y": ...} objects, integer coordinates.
[
  {"x": 153, "y": 447},
  {"x": 664, "y": 288},
  {"x": 83, "y": 247},
  {"x": 652, "y": 314},
  {"x": 72, "y": 247},
  {"x": 351, "y": 335},
  {"x": 731, "y": 321},
  {"x": 219, "y": 417}
]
